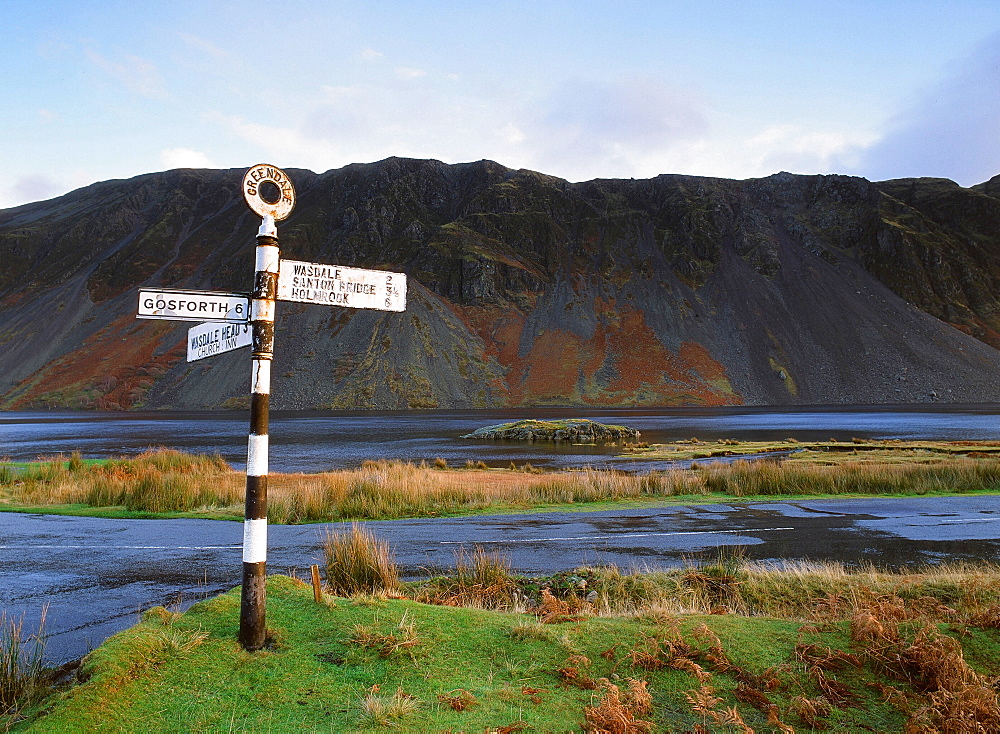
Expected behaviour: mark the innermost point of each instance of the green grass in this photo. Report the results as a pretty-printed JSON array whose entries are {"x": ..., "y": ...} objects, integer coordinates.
[
  {"x": 805, "y": 645},
  {"x": 176, "y": 673}
]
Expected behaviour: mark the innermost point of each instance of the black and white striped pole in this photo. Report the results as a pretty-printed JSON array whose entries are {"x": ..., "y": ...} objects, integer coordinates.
[{"x": 269, "y": 193}]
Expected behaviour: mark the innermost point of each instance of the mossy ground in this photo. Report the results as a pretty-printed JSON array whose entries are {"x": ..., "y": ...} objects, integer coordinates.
[
  {"x": 563, "y": 429},
  {"x": 820, "y": 453}
]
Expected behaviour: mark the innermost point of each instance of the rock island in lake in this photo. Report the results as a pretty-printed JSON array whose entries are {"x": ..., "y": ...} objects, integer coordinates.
[{"x": 577, "y": 430}]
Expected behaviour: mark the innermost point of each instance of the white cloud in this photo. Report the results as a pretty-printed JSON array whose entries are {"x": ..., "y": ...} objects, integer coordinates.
[
  {"x": 203, "y": 45},
  {"x": 138, "y": 75},
  {"x": 184, "y": 158},
  {"x": 632, "y": 128},
  {"x": 370, "y": 54},
  {"x": 586, "y": 129},
  {"x": 283, "y": 146},
  {"x": 406, "y": 72},
  {"x": 29, "y": 188},
  {"x": 740, "y": 155},
  {"x": 341, "y": 94},
  {"x": 796, "y": 149},
  {"x": 512, "y": 134}
]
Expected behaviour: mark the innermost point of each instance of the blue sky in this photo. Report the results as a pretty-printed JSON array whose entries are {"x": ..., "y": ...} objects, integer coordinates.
[{"x": 576, "y": 89}]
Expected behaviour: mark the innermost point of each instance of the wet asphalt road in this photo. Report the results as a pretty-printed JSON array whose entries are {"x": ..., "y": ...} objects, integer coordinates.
[{"x": 97, "y": 575}]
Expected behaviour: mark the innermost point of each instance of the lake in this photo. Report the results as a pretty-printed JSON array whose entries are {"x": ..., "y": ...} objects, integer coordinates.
[{"x": 312, "y": 441}]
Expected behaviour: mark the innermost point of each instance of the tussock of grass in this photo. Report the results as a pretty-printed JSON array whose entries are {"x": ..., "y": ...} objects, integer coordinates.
[
  {"x": 382, "y": 710},
  {"x": 762, "y": 479},
  {"x": 359, "y": 563},
  {"x": 401, "y": 641},
  {"x": 528, "y": 630},
  {"x": 483, "y": 581}
]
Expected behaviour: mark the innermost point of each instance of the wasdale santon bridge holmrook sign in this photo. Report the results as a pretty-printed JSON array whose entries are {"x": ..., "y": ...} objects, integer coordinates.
[
  {"x": 234, "y": 320},
  {"x": 333, "y": 285}
]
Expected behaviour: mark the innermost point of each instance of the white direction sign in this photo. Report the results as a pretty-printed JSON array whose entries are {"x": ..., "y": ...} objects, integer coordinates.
[
  {"x": 206, "y": 340},
  {"x": 335, "y": 285},
  {"x": 175, "y": 305}
]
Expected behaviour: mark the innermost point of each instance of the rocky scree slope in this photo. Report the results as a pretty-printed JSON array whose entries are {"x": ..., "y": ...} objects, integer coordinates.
[{"x": 524, "y": 289}]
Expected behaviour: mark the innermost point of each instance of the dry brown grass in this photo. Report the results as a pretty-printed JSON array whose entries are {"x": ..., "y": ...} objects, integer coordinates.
[
  {"x": 827, "y": 591},
  {"x": 381, "y": 490},
  {"x": 988, "y": 618},
  {"x": 482, "y": 580},
  {"x": 401, "y": 641},
  {"x": 619, "y": 713},
  {"x": 820, "y": 593},
  {"x": 552, "y": 610},
  {"x": 955, "y": 698},
  {"x": 863, "y": 476},
  {"x": 458, "y": 700},
  {"x": 158, "y": 480},
  {"x": 573, "y": 672},
  {"x": 811, "y": 711},
  {"x": 168, "y": 481}
]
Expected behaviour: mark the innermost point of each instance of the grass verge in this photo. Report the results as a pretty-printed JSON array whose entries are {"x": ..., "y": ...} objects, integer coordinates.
[{"x": 367, "y": 663}]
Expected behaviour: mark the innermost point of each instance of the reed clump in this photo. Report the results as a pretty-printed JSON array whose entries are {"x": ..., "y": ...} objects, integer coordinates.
[
  {"x": 162, "y": 480},
  {"x": 23, "y": 674},
  {"x": 157, "y": 480},
  {"x": 765, "y": 478},
  {"x": 359, "y": 563}
]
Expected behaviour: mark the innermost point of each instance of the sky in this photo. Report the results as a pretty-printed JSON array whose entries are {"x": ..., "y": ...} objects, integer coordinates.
[{"x": 103, "y": 89}]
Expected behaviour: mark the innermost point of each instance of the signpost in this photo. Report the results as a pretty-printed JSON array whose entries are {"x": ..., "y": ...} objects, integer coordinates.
[
  {"x": 209, "y": 339},
  {"x": 250, "y": 321},
  {"x": 253, "y": 632}
]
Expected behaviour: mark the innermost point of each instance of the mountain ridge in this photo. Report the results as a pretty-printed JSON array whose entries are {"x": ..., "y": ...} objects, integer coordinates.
[{"x": 525, "y": 289}]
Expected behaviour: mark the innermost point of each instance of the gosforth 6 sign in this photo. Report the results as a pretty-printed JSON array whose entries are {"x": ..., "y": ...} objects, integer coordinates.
[
  {"x": 334, "y": 285},
  {"x": 177, "y": 305}
]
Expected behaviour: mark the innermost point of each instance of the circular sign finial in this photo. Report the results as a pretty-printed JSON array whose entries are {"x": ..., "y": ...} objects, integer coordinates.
[{"x": 268, "y": 191}]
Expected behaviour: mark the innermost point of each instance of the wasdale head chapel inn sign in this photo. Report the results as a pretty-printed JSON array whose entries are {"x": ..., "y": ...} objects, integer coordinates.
[{"x": 234, "y": 320}]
